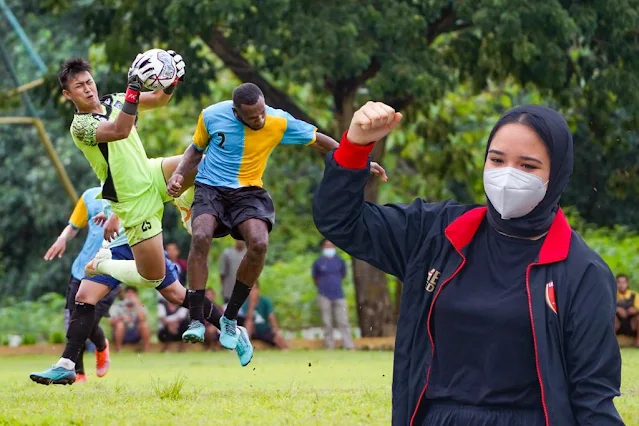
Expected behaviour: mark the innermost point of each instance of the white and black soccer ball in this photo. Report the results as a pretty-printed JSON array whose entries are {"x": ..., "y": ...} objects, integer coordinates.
[{"x": 164, "y": 71}]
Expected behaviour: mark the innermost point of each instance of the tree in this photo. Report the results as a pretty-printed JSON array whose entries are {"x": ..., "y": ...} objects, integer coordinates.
[{"x": 405, "y": 53}]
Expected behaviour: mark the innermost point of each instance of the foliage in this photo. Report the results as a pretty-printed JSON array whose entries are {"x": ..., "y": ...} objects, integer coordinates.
[
  {"x": 453, "y": 69},
  {"x": 40, "y": 319},
  {"x": 617, "y": 245},
  {"x": 291, "y": 289}
]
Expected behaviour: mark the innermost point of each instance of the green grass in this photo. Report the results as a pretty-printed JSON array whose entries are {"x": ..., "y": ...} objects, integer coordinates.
[{"x": 296, "y": 388}]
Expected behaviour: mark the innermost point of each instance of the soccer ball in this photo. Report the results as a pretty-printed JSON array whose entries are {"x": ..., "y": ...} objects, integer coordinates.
[{"x": 163, "y": 71}]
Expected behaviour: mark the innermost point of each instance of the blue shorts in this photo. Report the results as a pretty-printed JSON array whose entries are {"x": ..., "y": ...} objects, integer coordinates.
[{"x": 124, "y": 253}]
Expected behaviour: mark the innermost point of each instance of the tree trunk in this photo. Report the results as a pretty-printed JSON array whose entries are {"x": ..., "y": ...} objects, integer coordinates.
[{"x": 374, "y": 308}]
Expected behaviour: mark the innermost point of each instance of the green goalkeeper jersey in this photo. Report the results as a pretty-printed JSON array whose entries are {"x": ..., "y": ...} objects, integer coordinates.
[{"x": 121, "y": 166}]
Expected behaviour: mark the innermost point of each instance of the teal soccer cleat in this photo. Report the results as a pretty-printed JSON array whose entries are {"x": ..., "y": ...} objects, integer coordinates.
[
  {"x": 54, "y": 375},
  {"x": 244, "y": 348},
  {"x": 228, "y": 333},
  {"x": 195, "y": 332}
]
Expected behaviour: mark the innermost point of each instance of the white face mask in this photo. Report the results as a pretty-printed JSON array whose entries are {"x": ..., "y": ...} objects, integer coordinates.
[
  {"x": 512, "y": 192},
  {"x": 328, "y": 252}
]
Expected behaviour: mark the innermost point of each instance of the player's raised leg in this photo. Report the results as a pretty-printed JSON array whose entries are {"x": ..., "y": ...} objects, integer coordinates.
[
  {"x": 203, "y": 228},
  {"x": 147, "y": 270},
  {"x": 255, "y": 234},
  {"x": 81, "y": 324}
]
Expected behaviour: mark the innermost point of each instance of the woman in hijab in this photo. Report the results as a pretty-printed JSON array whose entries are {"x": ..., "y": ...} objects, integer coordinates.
[{"x": 507, "y": 316}]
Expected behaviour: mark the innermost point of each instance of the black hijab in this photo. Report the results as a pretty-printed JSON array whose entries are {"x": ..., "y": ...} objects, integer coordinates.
[{"x": 553, "y": 130}]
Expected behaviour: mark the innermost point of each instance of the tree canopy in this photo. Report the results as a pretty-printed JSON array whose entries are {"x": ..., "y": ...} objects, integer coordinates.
[{"x": 452, "y": 67}]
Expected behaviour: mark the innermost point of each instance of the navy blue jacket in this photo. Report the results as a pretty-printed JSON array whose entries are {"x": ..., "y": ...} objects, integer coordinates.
[{"x": 571, "y": 296}]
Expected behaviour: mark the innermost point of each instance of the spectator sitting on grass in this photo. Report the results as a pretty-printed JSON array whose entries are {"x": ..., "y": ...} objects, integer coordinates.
[
  {"x": 173, "y": 320},
  {"x": 263, "y": 325},
  {"x": 128, "y": 320},
  {"x": 627, "y": 318}
]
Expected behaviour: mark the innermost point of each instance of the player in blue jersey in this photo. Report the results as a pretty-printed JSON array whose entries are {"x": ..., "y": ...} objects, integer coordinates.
[
  {"x": 238, "y": 137},
  {"x": 86, "y": 209}
]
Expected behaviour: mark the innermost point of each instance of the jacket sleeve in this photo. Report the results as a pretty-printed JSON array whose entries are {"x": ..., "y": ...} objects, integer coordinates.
[
  {"x": 592, "y": 351},
  {"x": 383, "y": 236}
]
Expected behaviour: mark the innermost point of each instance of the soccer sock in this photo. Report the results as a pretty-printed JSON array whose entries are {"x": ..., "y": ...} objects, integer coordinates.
[
  {"x": 211, "y": 312},
  {"x": 66, "y": 363},
  {"x": 196, "y": 305},
  {"x": 97, "y": 337},
  {"x": 126, "y": 272},
  {"x": 239, "y": 295},
  {"x": 80, "y": 326},
  {"x": 79, "y": 363}
]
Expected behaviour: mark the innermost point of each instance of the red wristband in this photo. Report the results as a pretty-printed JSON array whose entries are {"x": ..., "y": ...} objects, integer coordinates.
[
  {"x": 132, "y": 95},
  {"x": 352, "y": 156}
]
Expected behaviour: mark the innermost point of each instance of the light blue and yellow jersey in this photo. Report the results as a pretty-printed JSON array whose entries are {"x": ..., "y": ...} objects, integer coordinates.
[
  {"x": 85, "y": 210},
  {"x": 236, "y": 155}
]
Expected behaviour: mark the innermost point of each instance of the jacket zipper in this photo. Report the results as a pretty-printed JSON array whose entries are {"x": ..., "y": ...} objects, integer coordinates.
[
  {"x": 534, "y": 334},
  {"x": 430, "y": 336}
]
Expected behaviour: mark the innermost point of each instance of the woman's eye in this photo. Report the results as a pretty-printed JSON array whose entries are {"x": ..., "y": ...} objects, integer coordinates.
[
  {"x": 528, "y": 167},
  {"x": 497, "y": 160}
]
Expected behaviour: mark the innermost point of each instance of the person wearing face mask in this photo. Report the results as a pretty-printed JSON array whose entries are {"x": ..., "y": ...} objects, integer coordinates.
[
  {"x": 328, "y": 272},
  {"x": 507, "y": 316}
]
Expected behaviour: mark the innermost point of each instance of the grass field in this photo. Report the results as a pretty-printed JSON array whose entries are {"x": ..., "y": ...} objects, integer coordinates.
[{"x": 295, "y": 388}]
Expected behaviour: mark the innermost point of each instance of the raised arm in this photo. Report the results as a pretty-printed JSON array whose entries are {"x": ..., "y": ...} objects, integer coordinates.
[
  {"x": 384, "y": 236},
  {"x": 593, "y": 359},
  {"x": 120, "y": 128},
  {"x": 78, "y": 220}
]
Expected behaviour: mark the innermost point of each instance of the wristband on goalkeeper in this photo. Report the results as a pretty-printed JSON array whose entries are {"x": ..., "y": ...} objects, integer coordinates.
[{"x": 131, "y": 99}]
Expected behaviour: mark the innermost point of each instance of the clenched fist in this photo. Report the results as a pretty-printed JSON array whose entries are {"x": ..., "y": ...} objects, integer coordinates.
[
  {"x": 174, "y": 186},
  {"x": 372, "y": 122}
]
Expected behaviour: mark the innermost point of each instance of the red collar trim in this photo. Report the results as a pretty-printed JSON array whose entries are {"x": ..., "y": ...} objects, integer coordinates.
[
  {"x": 557, "y": 243},
  {"x": 461, "y": 231}
]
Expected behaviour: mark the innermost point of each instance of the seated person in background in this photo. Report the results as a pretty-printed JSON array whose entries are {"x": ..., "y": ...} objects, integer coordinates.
[
  {"x": 173, "y": 321},
  {"x": 173, "y": 253},
  {"x": 212, "y": 334},
  {"x": 627, "y": 318},
  {"x": 128, "y": 320},
  {"x": 263, "y": 325}
]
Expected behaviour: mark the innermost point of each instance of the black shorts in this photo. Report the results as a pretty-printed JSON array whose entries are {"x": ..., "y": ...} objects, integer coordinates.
[
  {"x": 103, "y": 306},
  {"x": 231, "y": 207},
  {"x": 625, "y": 327}
]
